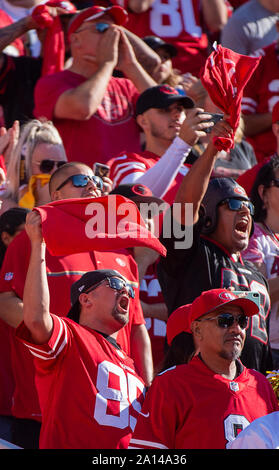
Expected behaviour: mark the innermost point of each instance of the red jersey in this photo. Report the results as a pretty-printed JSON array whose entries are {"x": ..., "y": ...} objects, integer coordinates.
[
  {"x": 178, "y": 22},
  {"x": 61, "y": 273},
  {"x": 260, "y": 95},
  {"x": 129, "y": 163},
  {"x": 191, "y": 407},
  {"x": 150, "y": 293},
  {"x": 89, "y": 392},
  {"x": 109, "y": 131}
]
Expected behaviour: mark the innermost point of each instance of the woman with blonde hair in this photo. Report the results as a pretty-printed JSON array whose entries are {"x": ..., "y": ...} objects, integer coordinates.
[{"x": 36, "y": 153}]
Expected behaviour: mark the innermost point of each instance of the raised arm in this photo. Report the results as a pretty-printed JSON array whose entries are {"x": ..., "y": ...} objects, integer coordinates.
[
  {"x": 131, "y": 67},
  {"x": 36, "y": 314},
  {"x": 81, "y": 102},
  {"x": 148, "y": 58},
  {"x": 195, "y": 183},
  {"x": 139, "y": 6},
  {"x": 215, "y": 14}
]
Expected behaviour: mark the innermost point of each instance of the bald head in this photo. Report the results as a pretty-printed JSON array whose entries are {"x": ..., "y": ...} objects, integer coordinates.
[{"x": 61, "y": 175}]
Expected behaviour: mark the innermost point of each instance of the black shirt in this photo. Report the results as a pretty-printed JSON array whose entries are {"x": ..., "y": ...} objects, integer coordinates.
[{"x": 185, "y": 273}]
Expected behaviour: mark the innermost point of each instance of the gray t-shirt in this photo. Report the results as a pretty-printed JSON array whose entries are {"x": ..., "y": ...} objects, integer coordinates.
[{"x": 250, "y": 27}]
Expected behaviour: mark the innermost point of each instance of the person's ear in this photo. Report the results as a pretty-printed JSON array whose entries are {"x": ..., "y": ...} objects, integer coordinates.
[
  {"x": 84, "y": 300},
  {"x": 142, "y": 121},
  {"x": 55, "y": 196},
  {"x": 196, "y": 329}
]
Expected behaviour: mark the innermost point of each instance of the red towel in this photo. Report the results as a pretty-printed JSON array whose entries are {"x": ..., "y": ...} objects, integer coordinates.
[
  {"x": 106, "y": 223},
  {"x": 224, "y": 77},
  {"x": 54, "y": 43}
]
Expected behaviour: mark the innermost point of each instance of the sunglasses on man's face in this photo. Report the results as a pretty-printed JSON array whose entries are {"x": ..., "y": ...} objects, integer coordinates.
[
  {"x": 237, "y": 204},
  {"x": 46, "y": 166},
  {"x": 226, "y": 320},
  {"x": 98, "y": 27},
  {"x": 80, "y": 181},
  {"x": 117, "y": 284}
]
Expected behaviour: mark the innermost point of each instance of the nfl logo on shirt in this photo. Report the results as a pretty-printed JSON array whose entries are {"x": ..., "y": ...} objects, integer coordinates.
[
  {"x": 234, "y": 386},
  {"x": 9, "y": 276}
]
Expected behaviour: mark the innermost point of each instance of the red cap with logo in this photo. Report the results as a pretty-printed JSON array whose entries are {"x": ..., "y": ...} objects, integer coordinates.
[
  {"x": 215, "y": 298},
  {"x": 118, "y": 14},
  {"x": 180, "y": 320}
]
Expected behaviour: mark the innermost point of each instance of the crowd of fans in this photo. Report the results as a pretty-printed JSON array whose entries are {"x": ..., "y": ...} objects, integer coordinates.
[{"x": 107, "y": 342}]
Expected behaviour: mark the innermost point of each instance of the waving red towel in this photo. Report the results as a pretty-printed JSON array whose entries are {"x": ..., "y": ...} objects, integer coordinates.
[
  {"x": 106, "y": 223},
  {"x": 54, "y": 43},
  {"x": 224, "y": 77}
]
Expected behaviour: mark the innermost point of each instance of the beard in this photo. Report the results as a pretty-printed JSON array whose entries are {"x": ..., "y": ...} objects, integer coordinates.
[
  {"x": 159, "y": 134},
  {"x": 233, "y": 354},
  {"x": 120, "y": 317}
]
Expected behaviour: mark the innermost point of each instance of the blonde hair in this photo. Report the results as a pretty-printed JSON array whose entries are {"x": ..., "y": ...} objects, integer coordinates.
[{"x": 19, "y": 168}]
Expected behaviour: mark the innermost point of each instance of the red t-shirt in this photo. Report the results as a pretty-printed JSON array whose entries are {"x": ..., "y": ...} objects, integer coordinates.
[
  {"x": 191, "y": 407},
  {"x": 89, "y": 392},
  {"x": 61, "y": 273},
  {"x": 178, "y": 23},
  {"x": 108, "y": 132},
  {"x": 260, "y": 95}
]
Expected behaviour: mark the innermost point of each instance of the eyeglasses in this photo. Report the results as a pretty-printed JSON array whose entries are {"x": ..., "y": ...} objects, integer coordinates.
[
  {"x": 99, "y": 27},
  {"x": 226, "y": 320},
  {"x": 80, "y": 181},
  {"x": 237, "y": 204},
  {"x": 115, "y": 283},
  {"x": 275, "y": 182},
  {"x": 46, "y": 166}
]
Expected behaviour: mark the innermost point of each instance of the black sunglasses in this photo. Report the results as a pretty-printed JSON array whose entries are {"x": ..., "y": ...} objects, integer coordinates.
[
  {"x": 80, "y": 181},
  {"x": 237, "y": 204},
  {"x": 46, "y": 166},
  {"x": 226, "y": 320},
  {"x": 115, "y": 283}
]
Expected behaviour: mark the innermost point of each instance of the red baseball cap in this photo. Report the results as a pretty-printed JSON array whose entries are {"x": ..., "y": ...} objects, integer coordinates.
[
  {"x": 118, "y": 14},
  {"x": 215, "y": 298},
  {"x": 275, "y": 113},
  {"x": 178, "y": 322}
]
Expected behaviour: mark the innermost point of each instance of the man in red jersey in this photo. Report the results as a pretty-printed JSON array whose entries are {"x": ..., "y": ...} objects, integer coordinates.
[
  {"x": 92, "y": 109},
  {"x": 180, "y": 23},
  {"x": 88, "y": 389},
  {"x": 62, "y": 271},
  {"x": 205, "y": 403}
]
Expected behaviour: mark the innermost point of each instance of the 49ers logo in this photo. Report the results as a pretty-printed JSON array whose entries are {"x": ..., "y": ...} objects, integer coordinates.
[
  {"x": 114, "y": 108},
  {"x": 227, "y": 296}
]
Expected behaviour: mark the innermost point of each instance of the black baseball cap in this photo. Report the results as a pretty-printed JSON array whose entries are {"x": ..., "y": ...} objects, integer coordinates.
[
  {"x": 156, "y": 43},
  {"x": 86, "y": 281},
  {"x": 161, "y": 96},
  {"x": 218, "y": 190},
  {"x": 137, "y": 192}
]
